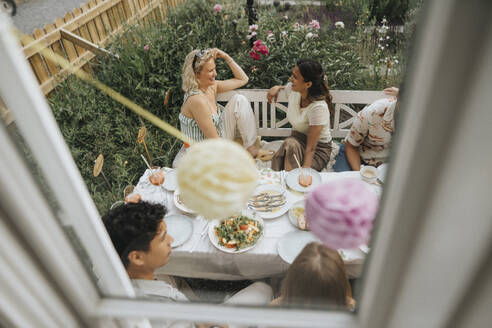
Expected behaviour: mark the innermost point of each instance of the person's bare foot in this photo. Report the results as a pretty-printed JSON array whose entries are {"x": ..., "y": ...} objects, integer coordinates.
[
  {"x": 261, "y": 154},
  {"x": 265, "y": 155},
  {"x": 253, "y": 150}
]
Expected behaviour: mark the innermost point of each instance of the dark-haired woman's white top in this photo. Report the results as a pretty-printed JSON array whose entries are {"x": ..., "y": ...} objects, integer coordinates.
[{"x": 316, "y": 113}]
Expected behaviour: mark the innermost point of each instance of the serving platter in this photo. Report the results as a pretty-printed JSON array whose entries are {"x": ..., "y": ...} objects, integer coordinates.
[{"x": 214, "y": 239}]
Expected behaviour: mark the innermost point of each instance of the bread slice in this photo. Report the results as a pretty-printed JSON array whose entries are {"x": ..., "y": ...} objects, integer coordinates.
[{"x": 301, "y": 222}]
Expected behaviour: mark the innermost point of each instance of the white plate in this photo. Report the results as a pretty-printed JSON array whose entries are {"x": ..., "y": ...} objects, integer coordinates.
[
  {"x": 181, "y": 206},
  {"x": 292, "y": 217},
  {"x": 179, "y": 227},
  {"x": 214, "y": 239},
  {"x": 382, "y": 172},
  {"x": 292, "y": 243},
  {"x": 170, "y": 180},
  {"x": 292, "y": 179},
  {"x": 350, "y": 254},
  {"x": 364, "y": 248},
  {"x": 279, "y": 210}
]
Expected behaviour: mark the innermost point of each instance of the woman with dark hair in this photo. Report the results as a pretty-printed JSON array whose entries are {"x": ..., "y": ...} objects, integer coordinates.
[
  {"x": 317, "y": 277},
  {"x": 309, "y": 112}
]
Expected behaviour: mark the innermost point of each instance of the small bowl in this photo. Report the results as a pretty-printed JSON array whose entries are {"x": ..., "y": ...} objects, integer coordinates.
[
  {"x": 368, "y": 173},
  {"x": 293, "y": 217}
]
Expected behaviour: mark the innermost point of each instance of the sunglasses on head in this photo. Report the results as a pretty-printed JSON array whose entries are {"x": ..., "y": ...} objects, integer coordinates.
[{"x": 199, "y": 54}]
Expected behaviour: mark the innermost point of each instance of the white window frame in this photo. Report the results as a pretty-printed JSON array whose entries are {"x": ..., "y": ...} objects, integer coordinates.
[{"x": 420, "y": 220}]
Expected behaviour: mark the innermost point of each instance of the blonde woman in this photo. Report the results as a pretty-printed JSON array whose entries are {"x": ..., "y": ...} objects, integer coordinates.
[{"x": 201, "y": 116}]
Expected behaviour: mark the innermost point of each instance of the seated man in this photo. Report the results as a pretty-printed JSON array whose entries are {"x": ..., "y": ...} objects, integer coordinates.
[
  {"x": 139, "y": 235},
  {"x": 369, "y": 139}
]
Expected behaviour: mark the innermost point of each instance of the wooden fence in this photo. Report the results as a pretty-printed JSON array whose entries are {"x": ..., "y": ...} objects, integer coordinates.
[{"x": 81, "y": 34}]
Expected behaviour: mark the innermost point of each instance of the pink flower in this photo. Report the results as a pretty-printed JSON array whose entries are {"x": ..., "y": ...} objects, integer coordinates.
[
  {"x": 315, "y": 24},
  {"x": 258, "y": 46},
  {"x": 146, "y": 47},
  {"x": 263, "y": 50},
  {"x": 315, "y": 35},
  {"x": 253, "y": 28},
  {"x": 218, "y": 8},
  {"x": 253, "y": 54}
]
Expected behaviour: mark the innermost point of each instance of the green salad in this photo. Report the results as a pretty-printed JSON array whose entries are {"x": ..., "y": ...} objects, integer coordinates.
[{"x": 238, "y": 232}]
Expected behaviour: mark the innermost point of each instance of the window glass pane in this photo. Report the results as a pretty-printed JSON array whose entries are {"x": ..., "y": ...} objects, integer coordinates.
[
  {"x": 46, "y": 190},
  {"x": 281, "y": 249}
]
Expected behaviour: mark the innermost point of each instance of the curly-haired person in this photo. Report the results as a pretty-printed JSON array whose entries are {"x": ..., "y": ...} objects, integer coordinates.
[{"x": 139, "y": 235}]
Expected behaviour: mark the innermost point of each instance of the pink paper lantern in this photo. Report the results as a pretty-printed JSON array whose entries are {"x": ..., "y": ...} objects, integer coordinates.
[{"x": 341, "y": 212}]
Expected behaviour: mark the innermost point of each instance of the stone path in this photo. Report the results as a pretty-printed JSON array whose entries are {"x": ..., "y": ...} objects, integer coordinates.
[{"x": 32, "y": 14}]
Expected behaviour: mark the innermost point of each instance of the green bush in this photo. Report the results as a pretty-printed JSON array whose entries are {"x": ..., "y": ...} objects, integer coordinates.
[
  {"x": 393, "y": 10},
  {"x": 149, "y": 66}
]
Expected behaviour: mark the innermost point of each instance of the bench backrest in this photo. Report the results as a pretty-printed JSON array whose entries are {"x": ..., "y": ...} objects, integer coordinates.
[{"x": 271, "y": 120}]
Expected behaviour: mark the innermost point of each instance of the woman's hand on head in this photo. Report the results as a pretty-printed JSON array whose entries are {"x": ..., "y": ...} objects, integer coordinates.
[{"x": 219, "y": 53}]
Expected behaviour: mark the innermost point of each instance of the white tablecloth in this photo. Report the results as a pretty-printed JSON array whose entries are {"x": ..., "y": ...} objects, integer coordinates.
[{"x": 198, "y": 258}]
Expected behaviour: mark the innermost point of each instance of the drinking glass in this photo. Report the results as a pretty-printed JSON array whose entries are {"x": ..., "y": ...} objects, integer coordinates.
[
  {"x": 128, "y": 190},
  {"x": 305, "y": 177},
  {"x": 156, "y": 176}
]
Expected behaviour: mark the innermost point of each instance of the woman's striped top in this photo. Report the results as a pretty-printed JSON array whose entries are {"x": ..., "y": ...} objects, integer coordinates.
[{"x": 189, "y": 126}]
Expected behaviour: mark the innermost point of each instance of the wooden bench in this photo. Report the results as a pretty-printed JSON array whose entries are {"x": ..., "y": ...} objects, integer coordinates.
[{"x": 271, "y": 119}]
